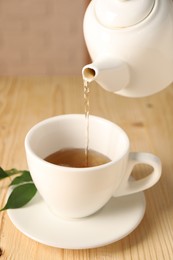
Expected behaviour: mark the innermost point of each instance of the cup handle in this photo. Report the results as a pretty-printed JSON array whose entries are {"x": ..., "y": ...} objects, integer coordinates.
[{"x": 129, "y": 185}]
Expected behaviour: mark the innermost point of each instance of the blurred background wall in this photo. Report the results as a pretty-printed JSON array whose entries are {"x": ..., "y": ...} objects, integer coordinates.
[{"x": 42, "y": 37}]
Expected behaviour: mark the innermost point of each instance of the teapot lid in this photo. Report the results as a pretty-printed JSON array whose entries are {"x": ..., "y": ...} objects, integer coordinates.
[{"x": 122, "y": 13}]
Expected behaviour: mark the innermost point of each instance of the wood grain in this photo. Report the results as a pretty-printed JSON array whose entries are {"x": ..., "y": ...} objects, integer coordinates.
[{"x": 149, "y": 124}]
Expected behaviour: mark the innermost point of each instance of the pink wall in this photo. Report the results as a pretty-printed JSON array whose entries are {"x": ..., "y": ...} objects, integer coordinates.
[{"x": 41, "y": 37}]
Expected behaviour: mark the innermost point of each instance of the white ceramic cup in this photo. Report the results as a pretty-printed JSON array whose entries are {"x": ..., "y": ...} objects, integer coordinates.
[{"x": 79, "y": 192}]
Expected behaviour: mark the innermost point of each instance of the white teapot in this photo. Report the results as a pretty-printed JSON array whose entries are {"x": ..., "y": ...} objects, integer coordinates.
[{"x": 131, "y": 45}]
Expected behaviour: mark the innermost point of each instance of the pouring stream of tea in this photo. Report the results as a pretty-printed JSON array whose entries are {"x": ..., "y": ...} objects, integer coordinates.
[{"x": 86, "y": 105}]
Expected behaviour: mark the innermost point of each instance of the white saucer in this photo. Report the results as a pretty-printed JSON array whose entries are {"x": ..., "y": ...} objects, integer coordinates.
[{"x": 116, "y": 220}]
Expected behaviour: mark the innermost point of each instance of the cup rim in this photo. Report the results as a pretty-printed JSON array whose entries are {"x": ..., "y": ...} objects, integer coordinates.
[{"x": 29, "y": 150}]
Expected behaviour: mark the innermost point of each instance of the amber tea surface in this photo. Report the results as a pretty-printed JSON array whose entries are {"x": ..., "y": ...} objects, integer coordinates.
[{"x": 77, "y": 158}]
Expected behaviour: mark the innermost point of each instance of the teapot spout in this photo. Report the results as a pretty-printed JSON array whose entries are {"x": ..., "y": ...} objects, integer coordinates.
[{"x": 111, "y": 74}]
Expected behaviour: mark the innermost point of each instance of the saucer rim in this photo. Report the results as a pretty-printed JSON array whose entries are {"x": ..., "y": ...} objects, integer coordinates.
[{"x": 57, "y": 244}]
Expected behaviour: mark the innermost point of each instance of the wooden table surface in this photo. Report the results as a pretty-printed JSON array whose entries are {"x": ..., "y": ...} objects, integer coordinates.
[{"x": 149, "y": 125}]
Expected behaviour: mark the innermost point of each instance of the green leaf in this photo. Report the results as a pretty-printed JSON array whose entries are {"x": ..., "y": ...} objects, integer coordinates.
[
  {"x": 13, "y": 171},
  {"x": 20, "y": 196},
  {"x": 8, "y": 173},
  {"x": 24, "y": 177},
  {"x": 3, "y": 174}
]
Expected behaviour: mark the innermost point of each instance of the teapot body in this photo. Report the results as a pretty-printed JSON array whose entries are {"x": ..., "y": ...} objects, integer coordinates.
[{"x": 146, "y": 47}]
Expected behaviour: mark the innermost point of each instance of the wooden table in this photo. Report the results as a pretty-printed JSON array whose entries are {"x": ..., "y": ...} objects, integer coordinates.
[{"x": 149, "y": 124}]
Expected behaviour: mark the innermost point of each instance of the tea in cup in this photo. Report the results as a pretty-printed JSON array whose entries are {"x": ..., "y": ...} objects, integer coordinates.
[{"x": 72, "y": 188}]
